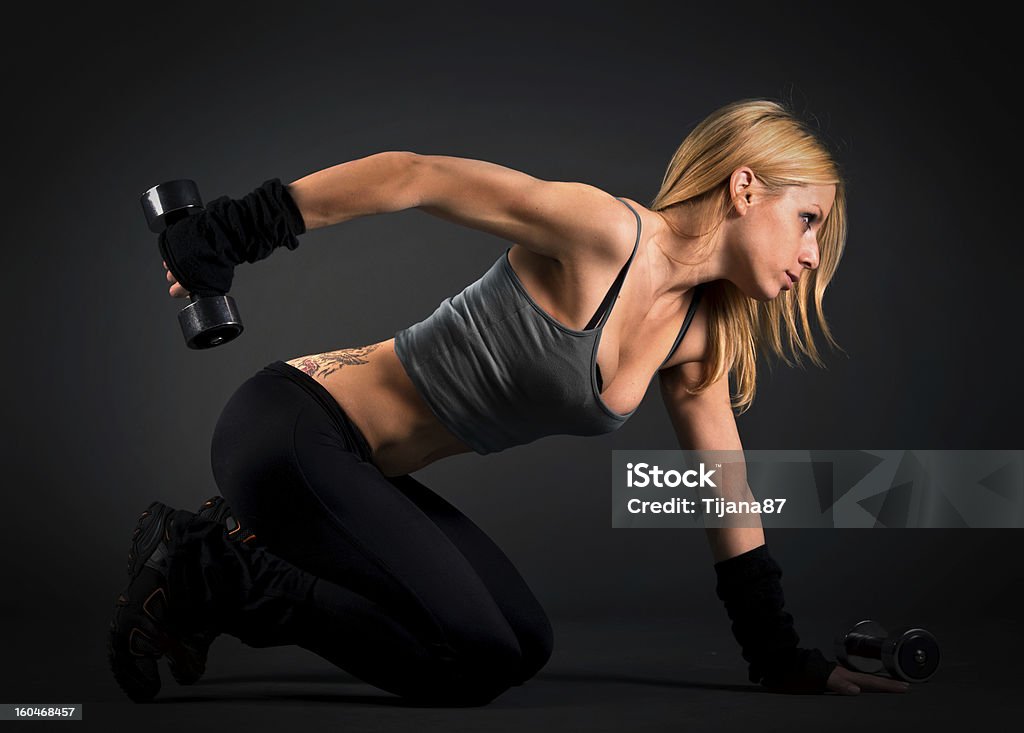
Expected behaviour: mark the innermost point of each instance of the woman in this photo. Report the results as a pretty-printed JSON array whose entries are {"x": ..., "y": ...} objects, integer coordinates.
[{"x": 332, "y": 545}]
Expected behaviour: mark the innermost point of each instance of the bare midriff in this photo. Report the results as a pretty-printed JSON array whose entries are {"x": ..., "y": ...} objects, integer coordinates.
[{"x": 372, "y": 387}]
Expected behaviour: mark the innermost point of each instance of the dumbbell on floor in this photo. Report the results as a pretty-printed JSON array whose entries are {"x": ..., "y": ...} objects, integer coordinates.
[
  {"x": 209, "y": 320},
  {"x": 909, "y": 653}
]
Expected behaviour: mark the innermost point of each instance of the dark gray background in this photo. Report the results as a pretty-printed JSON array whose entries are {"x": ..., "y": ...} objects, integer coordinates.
[{"x": 107, "y": 410}]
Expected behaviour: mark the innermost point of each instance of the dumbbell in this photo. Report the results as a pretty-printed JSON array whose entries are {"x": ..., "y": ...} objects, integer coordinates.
[
  {"x": 206, "y": 321},
  {"x": 909, "y": 653}
]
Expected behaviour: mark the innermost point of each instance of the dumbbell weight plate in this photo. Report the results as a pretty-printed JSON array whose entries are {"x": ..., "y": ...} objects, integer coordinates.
[
  {"x": 912, "y": 654},
  {"x": 166, "y": 203},
  {"x": 210, "y": 321}
]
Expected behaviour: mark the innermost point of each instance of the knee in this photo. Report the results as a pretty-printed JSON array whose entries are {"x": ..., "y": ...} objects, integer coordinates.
[
  {"x": 537, "y": 644},
  {"x": 488, "y": 670},
  {"x": 475, "y": 676}
]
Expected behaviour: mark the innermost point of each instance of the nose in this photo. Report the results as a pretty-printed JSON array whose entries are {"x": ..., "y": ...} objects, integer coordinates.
[{"x": 810, "y": 257}]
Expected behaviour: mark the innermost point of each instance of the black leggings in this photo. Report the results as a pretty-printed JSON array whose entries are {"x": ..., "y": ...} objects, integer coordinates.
[{"x": 379, "y": 575}]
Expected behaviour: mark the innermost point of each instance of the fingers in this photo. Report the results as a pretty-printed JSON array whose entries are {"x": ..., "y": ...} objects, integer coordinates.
[
  {"x": 838, "y": 682},
  {"x": 175, "y": 291},
  {"x": 874, "y": 683}
]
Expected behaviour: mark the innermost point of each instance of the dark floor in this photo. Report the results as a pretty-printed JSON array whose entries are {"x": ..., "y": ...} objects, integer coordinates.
[{"x": 607, "y": 676}]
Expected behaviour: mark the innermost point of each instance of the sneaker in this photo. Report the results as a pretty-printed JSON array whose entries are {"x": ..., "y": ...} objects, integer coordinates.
[
  {"x": 187, "y": 660},
  {"x": 216, "y": 509},
  {"x": 139, "y": 633}
]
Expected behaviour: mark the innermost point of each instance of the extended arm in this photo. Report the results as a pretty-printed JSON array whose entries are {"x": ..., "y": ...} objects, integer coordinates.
[
  {"x": 554, "y": 218},
  {"x": 561, "y": 220}
]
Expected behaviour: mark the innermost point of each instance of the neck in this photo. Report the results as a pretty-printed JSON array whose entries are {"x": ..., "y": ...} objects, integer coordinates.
[{"x": 673, "y": 260}]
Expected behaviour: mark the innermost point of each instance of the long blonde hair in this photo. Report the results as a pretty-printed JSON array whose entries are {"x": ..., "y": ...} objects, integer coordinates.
[{"x": 782, "y": 150}]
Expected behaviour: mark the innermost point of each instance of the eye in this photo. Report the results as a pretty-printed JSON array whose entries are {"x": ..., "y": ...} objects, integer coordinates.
[{"x": 811, "y": 218}]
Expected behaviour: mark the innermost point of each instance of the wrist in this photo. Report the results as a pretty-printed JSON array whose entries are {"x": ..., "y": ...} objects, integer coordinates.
[
  {"x": 202, "y": 250},
  {"x": 296, "y": 219},
  {"x": 249, "y": 229}
]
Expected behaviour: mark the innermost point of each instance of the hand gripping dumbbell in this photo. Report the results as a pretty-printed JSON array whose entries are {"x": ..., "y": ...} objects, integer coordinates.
[
  {"x": 209, "y": 320},
  {"x": 909, "y": 653}
]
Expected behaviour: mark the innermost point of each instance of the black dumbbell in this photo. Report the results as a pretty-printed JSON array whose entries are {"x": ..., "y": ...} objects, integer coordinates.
[
  {"x": 909, "y": 653},
  {"x": 206, "y": 321}
]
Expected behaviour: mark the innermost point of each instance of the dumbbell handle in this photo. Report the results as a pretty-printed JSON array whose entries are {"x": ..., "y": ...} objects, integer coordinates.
[
  {"x": 864, "y": 645},
  {"x": 173, "y": 217}
]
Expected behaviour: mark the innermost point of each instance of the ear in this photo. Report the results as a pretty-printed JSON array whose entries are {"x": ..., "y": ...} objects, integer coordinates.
[{"x": 741, "y": 185}]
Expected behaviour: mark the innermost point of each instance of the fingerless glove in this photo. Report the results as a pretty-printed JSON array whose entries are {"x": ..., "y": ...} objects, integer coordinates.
[
  {"x": 201, "y": 250},
  {"x": 749, "y": 585}
]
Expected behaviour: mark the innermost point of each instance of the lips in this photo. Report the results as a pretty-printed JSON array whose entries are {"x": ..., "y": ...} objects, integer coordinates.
[{"x": 792, "y": 279}]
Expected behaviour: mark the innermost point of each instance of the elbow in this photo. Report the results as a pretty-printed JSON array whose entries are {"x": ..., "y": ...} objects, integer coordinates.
[
  {"x": 410, "y": 178},
  {"x": 403, "y": 157}
]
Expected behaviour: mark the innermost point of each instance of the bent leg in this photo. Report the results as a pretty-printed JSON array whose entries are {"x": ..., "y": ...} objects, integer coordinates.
[
  {"x": 246, "y": 591},
  {"x": 293, "y": 474}
]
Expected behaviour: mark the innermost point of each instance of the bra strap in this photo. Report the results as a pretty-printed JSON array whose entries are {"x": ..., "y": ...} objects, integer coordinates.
[
  {"x": 613, "y": 292},
  {"x": 686, "y": 321}
]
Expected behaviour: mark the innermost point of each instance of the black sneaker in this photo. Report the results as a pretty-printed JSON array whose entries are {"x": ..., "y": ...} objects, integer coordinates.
[
  {"x": 216, "y": 509},
  {"x": 139, "y": 633},
  {"x": 187, "y": 660}
]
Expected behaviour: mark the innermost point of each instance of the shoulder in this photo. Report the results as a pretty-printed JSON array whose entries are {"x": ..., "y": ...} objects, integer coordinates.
[
  {"x": 594, "y": 226},
  {"x": 628, "y": 222}
]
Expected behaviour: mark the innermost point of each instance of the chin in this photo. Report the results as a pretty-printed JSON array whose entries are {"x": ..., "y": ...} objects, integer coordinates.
[
  {"x": 755, "y": 291},
  {"x": 778, "y": 293}
]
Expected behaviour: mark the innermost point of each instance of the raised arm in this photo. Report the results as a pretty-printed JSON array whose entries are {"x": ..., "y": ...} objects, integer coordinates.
[
  {"x": 563, "y": 221},
  {"x": 553, "y": 218}
]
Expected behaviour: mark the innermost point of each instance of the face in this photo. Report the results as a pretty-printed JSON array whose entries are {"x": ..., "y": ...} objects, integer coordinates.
[{"x": 768, "y": 237}]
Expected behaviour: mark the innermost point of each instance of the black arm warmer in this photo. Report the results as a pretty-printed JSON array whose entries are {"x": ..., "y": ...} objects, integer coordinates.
[
  {"x": 201, "y": 251},
  {"x": 749, "y": 586}
]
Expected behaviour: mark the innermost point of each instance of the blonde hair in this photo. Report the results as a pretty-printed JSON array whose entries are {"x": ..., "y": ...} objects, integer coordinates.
[{"x": 782, "y": 151}]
